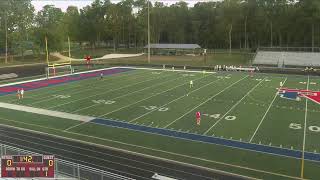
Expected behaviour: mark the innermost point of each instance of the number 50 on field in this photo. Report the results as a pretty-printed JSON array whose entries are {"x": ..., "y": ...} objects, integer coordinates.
[{"x": 297, "y": 126}]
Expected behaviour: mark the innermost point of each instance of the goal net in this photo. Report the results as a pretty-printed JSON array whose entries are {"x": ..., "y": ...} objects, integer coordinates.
[{"x": 58, "y": 69}]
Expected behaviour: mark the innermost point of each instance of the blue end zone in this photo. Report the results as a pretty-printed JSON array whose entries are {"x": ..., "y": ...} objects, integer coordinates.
[{"x": 210, "y": 139}]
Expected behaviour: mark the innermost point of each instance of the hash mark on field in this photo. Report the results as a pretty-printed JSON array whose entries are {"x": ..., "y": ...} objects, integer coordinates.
[
  {"x": 265, "y": 114},
  {"x": 204, "y": 102},
  {"x": 235, "y": 105}
]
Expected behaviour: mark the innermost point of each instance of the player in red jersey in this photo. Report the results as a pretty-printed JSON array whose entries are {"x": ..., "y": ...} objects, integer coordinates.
[
  {"x": 198, "y": 117},
  {"x": 88, "y": 60}
]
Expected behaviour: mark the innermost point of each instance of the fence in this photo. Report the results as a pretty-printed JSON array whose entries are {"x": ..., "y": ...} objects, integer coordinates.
[{"x": 67, "y": 170}]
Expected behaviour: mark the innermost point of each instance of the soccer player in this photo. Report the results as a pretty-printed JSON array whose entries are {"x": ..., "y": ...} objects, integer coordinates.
[
  {"x": 198, "y": 117},
  {"x": 251, "y": 73},
  {"x": 191, "y": 84},
  {"x": 22, "y": 92},
  {"x": 18, "y": 93},
  {"x": 101, "y": 75},
  {"x": 281, "y": 84},
  {"x": 88, "y": 60}
]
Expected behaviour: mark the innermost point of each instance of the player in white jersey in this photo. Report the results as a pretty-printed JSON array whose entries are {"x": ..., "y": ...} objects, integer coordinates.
[
  {"x": 18, "y": 93},
  {"x": 22, "y": 92},
  {"x": 191, "y": 84}
]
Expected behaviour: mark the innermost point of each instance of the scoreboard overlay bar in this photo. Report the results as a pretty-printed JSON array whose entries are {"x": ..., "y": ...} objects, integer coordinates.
[{"x": 27, "y": 166}]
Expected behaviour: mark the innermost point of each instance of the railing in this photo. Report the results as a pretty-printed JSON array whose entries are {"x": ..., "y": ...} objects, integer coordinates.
[
  {"x": 291, "y": 49},
  {"x": 65, "y": 169}
]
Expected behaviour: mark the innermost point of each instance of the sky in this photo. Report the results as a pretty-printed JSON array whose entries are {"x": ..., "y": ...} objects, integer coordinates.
[{"x": 63, "y": 4}]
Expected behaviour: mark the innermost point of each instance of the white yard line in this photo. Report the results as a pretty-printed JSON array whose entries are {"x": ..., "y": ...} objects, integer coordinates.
[
  {"x": 46, "y": 112},
  {"x": 84, "y": 88},
  {"x": 265, "y": 114},
  {"x": 304, "y": 133},
  {"x": 127, "y": 94},
  {"x": 104, "y": 92},
  {"x": 149, "y": 97},
  {"x": 204, "y": 102},
  {"x": 235, "y": 105},
  {"x": 71, "y": 127},
  {"x": 173, "y": 101}
]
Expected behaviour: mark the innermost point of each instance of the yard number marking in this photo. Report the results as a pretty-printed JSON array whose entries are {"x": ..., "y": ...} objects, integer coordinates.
[
  {"x": 298, "y": 126},
  {"x": 156, "y": 73},
  {"x": 185, "y": 75},
  {"x": 152, "y": 108},
  {"x": 61, "y": 96},
  {"x": 223, "y": 77},
  {"x": 217, "y": 116},
  {"x": 102, "y": 101}
]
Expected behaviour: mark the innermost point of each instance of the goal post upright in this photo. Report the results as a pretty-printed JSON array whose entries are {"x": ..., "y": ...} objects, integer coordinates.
[{"x": 47, "y": 53}]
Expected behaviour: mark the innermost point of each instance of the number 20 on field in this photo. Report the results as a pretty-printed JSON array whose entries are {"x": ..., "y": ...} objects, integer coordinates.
[{"x": 298, "y": 126}]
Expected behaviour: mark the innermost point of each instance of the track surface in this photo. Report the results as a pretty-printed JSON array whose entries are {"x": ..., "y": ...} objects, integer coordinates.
[{"x": 129, "y": 165}]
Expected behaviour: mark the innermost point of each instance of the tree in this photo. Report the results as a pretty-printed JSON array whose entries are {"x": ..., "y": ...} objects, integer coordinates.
[{"x": 49, "y": 24}]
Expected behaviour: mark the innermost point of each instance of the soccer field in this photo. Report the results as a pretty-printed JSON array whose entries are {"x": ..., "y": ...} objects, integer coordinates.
[{"x": 247, "y": 127}]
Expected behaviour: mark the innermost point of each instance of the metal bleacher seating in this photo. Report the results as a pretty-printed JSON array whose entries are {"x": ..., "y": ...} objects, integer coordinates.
[{"x": 287, "y": 58}]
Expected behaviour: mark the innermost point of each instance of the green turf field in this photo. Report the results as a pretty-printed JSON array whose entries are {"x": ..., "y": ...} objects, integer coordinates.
[{"x": 233, "y": 106}]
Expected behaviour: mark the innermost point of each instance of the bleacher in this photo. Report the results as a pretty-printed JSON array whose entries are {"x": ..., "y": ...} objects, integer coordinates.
[{"x": 306, "y": 59}]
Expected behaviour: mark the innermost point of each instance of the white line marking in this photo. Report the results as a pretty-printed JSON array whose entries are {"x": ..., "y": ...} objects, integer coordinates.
[
  {"x": 111, "y": 90},
  {"x": 46, "y": 112},
  {"x": 265, "y": 114},
  {"x": 143, "y": 147},
  {"x": 235, "y": 105},
  {"x": 173, "y": 101},
  {"x": 39, "y": 79},
  {"x": 304, "y": 133},
  {"x": 71, "y": 87},
  {"x": 204, "y": 102},
  {"x": 207, "y": 72},
  {"x": 148, "y": 97},
  {"x": 127, "y": 94},
  {"x": 98, "y": 152},
  {"x": 74, "y": 126}
]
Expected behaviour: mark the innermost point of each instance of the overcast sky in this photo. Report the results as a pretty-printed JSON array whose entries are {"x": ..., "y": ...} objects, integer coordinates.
[{"x": 63, "y": 4}]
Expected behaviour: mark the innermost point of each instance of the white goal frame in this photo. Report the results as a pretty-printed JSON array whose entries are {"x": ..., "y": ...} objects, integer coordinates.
[{"x": 56, "y": 67}]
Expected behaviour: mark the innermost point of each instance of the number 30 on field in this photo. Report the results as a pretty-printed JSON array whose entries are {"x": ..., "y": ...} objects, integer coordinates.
[{"x": 298, "y": 126}]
